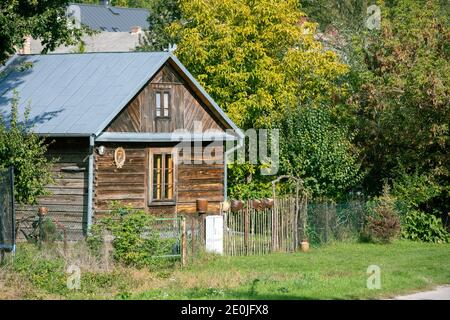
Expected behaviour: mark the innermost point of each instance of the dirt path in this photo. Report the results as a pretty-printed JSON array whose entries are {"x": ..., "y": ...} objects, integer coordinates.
[{"x": 439, "y": 293}]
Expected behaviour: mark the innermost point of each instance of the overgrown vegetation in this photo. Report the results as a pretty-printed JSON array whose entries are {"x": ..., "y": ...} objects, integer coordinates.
[
  {"x": 135, "y": 240},
  {"x": 21, "y": 148},
  {"x": 420, "y": 226},
  {"x": 382, "y": 221},
  {"x": 336, "y": 271}
]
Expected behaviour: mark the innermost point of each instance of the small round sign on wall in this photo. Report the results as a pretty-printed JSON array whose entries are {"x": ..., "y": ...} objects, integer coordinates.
[{"x": 119, "y": 157}]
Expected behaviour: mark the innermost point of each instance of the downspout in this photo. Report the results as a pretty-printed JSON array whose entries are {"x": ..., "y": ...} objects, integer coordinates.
[
  {"x": 90, "y": 183},
  {"x": 225, "y": 169}
]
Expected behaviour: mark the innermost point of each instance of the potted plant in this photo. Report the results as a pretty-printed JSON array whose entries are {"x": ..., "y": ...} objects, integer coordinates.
[{"x": 305, "y": 245}]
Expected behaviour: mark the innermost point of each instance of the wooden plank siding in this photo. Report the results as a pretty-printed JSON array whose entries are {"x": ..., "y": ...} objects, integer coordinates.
[
  {"x": 186, "y": 108},
  {"x": 129, "y": 184},
  {"x": 67, "y": 202}
]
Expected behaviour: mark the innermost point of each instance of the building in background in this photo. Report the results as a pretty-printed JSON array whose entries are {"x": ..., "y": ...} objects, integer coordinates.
[{"x": 117, "y": 29}]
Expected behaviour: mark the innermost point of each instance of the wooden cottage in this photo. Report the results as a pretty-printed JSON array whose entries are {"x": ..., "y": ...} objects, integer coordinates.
[{"x": 133, "y": 127}]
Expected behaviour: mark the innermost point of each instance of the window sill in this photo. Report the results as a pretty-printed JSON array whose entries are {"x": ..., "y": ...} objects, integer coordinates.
[{"x": 161, "y": 203}]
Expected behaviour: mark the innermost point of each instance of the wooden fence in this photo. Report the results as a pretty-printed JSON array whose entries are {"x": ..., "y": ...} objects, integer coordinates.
[{"x": 261, "y": 230}]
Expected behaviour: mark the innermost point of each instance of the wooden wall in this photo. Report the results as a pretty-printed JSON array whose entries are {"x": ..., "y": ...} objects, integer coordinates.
[
  {"x": 139, "y": 115},
  {"x": 68, "y": 200},
  {"x": 129, "y": 184}
]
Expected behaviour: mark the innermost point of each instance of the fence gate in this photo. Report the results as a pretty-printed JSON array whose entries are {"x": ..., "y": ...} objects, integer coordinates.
[
  {"x": 7, "y": 213},
  {"x": 268, "y": 225}
]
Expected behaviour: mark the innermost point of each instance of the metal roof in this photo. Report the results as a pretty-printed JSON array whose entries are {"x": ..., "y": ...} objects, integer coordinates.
[
  {"x": 108, "y": 18},
  {"x": 80, "y": 94},
  {"x": 164, "y": 137}
]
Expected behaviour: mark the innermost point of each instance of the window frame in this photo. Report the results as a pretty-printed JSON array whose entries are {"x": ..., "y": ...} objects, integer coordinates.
[
  {"x": 150, "y": 170},
  {"x": 162, "y": 92}
]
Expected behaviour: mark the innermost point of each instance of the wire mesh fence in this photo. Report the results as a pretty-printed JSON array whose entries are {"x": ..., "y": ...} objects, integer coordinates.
[
  {"x": 7, "y": 210},
  {"x": 170, "y": 232},
  {"x": 328, "y": 221}
]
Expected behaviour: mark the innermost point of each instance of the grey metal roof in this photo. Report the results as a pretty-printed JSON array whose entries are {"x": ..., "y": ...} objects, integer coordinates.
[
  {"x": 108, "y": 18},
  {"x": 80, "y": 94},
  {"x": 164, "y": 137}
]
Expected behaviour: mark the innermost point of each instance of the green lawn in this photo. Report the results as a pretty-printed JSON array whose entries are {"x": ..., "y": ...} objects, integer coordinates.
[{"x": 335, "y": 271}]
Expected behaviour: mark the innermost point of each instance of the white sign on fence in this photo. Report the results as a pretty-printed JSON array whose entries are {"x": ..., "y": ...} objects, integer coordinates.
[{"x": 214, "y": 234}]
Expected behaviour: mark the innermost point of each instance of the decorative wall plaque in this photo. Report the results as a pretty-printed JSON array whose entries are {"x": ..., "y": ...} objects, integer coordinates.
[{"x": 119, "y": 157}]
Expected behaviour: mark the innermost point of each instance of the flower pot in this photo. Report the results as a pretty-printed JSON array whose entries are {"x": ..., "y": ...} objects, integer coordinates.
[
  {"x": 257, "y": 204},
  {"x": 202, "y": 206},
  {"x": 237, "y": 205},
  {"x": 267, "y": 203},
  {"x": 42, "y": 211},
  {"x": 305, "y": 246}
]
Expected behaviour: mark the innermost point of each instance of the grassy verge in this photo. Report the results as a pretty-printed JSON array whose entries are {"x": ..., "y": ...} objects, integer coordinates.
[{"x": 336, "y": 271}]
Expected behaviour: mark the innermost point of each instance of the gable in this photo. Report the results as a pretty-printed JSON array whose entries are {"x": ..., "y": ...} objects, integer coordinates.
[{"x": 185, "y": 107}]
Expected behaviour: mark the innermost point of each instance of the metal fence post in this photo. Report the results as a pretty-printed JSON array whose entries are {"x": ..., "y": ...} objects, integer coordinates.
[
  {"x": 246, "y": 227},
  {"x": 183, "y": 241}
]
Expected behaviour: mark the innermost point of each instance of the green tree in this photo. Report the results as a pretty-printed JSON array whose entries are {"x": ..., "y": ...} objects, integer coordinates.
[
  {"x": 404, "y": 93},
  {"x": 162, "y": 14},
  {"x": 40, "y": 19},
  {"x": 256, "y": 58},
  {"x": 321, "y": 153},
  {"x": 26, "y": 152}
]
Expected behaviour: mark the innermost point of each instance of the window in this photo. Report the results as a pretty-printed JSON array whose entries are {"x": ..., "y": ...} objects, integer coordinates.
[
  {"x": 162, "y": 178},
  {"x": 162, "y": 100}
]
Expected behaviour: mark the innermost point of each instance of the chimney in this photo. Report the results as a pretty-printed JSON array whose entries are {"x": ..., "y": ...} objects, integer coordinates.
[
  {"x": 136, "y": 29},
  {"x": 104, "y": 2}
]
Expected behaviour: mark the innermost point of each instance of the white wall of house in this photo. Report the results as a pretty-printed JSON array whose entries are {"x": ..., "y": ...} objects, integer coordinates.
[{"x": 100, "y": 42}]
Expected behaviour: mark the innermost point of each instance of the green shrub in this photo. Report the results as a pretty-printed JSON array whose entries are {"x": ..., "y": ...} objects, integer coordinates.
[
  {"x": 382, "y": 222},
  {"x": 414, "y": 190},
  {"x": 135, "y": 239},
  {"x": 21, "y": 148},
  {"x": 45, "y": 273},
  {"x": 420, "y": 226}
]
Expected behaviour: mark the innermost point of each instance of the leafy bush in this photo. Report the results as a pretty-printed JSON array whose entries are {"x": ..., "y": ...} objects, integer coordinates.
[
  {"x": 44, "y": 273},
  {"x": 26, "y": 152},
  {"x": 135, "y": 240},
  {"x": 414, "y": 190},
  {"x": 420, "y": 226},
  {"x": 382, "y": 222},
  {"x": 322, "y": 153}
]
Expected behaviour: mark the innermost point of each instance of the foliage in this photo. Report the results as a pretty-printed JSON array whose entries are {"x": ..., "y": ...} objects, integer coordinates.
[
  {"x": 420, "y": 226},
  {"x": 321, "y": 153},
  {"x": 404, "y": 92},
  {"x": 45, "y": 274},
  {"x": 26, "y": 152},
  {"x": 40, "y": 272},
  {"x": 40, "y": 19},
  {"x": 245, "y": 182},
  {"x": 415, "y": 190},
  {"x": 136, "y": 242},
  {"x": 256, "y": 58},
  {"x": 383, "y": 221},
  {"x": 44, "y": 230},
  {"x": 161, "y": 14},
  {"x": 123, "y": 3}
]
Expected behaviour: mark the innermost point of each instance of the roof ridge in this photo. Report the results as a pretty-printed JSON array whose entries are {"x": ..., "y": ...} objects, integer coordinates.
[
  {"x": 88, "y": 53},
  {"x": 106, "y": 6}
]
